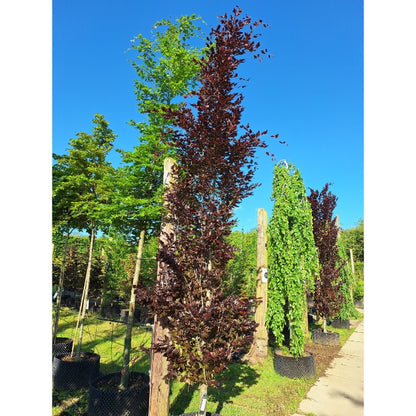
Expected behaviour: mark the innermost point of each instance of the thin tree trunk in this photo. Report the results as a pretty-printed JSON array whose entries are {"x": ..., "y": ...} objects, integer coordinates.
[
  {"x": 324, "y": 325},
  {"x": 60, "y": 289},
  {"x": 106, "y": 262},
  {"x": 159, "y": 386},
  {"x": 258, "y": 350},
  {"x": 132, "y": 306},
  {"x": 353, "y": 276},
  {"x": 83, "y": 306}
]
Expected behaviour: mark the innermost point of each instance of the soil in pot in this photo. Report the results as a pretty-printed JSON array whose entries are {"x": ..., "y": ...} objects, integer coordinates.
[
  {"x": 288, "y": 366},
  {"x": 62, "y": 346},
  {"x": 106, "y": 399},
  {"x": 325, "y": 338},
  {"x": 70, "y": 372}
]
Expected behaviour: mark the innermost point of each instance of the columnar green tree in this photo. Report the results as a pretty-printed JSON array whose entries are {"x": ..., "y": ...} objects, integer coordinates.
[
  {"x": 166, "y": 68},
  {"x": 347, "y": 310},
  {"x": 292, "y": 257},
  {"x": 89, "y": 185}
]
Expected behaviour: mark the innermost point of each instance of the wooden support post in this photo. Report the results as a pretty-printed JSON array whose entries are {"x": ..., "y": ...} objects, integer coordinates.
[
  {"x": 159, "y": 386},
  {"x": 352, "y": 262},
  {"x": 258, "y": 351}
]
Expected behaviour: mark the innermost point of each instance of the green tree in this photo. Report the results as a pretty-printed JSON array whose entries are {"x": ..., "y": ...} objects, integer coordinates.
[
  {"x": 292, "y": 257},
  {"x": 241, "y": 273},
  {"x": 347, "y": 310},
  {"x": 166, "y": 68},
  {"x": 354, "y": 239},
  {"x": 89, "y": 186}
]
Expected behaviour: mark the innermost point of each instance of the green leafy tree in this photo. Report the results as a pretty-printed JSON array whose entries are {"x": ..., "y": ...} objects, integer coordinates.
[
  {"x": 240, "y": 276},
  {"x": 166, "y": 68},
  {"x": 292, "y": 258},
  {"x": 354, "y": 239},
  {"x": 347, "y": 310},
  {"x": 89, "y": 186}
]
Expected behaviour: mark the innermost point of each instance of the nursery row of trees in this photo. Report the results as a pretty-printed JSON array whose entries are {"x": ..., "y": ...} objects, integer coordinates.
[{"x": 113, "y": 264}]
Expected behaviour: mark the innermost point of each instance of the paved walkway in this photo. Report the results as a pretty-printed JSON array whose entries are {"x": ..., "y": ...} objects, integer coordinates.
[{"x": 340, "y": 391}]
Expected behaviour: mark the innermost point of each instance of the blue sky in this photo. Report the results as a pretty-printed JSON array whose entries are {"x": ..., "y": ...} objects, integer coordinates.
[{"x": 310, "y": 91}]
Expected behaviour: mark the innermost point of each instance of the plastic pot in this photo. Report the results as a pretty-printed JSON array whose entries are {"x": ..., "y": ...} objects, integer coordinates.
[
  {"x": 62, "y": 346},
  {"x": 288, "y": 366},
  {"x": 105, "y": 399},
  {"x": 341, "y": 323},
  {"x": 69, "y": 374},
  {"x": 325, "y": 338}
]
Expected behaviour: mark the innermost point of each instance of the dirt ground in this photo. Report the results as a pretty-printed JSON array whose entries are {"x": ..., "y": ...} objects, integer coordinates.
[{"x": 323, "y": 355}]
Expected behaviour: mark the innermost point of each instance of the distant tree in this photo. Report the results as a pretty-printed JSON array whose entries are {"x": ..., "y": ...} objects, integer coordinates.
[
  {"x": 292, "y": 258},
  {"x": 347, "y": 310},
  {"x": 240, "y": 275},
  {"x": 354, "y": 239},
  {"x": 214, "y": 173},
  {"x": 328, "y": 298},
  {"x": 89, "y": 184}
]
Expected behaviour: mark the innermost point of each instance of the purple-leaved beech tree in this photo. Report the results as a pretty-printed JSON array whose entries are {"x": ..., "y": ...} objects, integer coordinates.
[{"x": 214, "y": 172}]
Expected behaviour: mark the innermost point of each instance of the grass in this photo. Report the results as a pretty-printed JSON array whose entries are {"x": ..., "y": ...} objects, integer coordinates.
[{"x": 243, "y": 390}]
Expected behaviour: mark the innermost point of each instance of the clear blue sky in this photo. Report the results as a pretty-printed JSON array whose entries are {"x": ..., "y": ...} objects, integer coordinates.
[{"x": 310, "y": 92}]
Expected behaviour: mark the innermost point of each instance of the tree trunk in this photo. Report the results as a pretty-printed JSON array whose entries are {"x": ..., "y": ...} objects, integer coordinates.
[
  {"x": 60, "y": 289},
  {"x": 106, "y": 265},
  {"x": 132, "y": 306},
  {"x": 159, "y": 386},
  {"x": 324, "y": 325},
  {"x": 84, "y": 299},
  {"x": 258, "y": 350}
]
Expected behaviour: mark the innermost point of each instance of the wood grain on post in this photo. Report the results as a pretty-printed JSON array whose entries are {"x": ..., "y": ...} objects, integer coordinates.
[
  {"x": 159, "y": 386},
  {"x": 258, "y": 351}
]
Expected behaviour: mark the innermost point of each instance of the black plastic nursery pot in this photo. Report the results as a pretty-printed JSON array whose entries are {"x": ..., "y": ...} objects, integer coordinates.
[
  {"x": 325, "y": 338},
  {"x": 69, "y": 373},
  {"x": 288, "y": 366},
  {"x": 105, "y": 398},
  {"x": 341, "y": 323},
  {"x": 62, "y": 346}
]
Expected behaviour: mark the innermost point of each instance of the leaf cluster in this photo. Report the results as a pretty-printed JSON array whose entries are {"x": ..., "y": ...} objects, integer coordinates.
[
  {"x": 214, "y": 172},
  {"x": 292, "y": 257}
]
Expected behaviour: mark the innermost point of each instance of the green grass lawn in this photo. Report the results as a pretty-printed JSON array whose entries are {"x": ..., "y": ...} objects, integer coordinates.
[{"x": 243, "y": 390}]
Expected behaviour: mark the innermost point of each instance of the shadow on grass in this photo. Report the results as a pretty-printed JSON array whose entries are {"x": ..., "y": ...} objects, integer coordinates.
[
  {"x": 70, "y": 403},
  {"x": 232, "y": 382},
  {"x": 183, "y": 399}
]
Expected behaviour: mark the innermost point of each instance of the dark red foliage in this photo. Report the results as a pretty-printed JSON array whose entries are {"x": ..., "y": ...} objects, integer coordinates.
[
  {"x": 216, "y": 165},
  {"x": 327, "y": 297}
]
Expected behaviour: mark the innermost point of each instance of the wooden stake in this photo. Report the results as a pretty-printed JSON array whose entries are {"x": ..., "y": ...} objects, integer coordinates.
[
  {"x": 159, "y": 386},
  {"x": 258, "y": 351}
]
